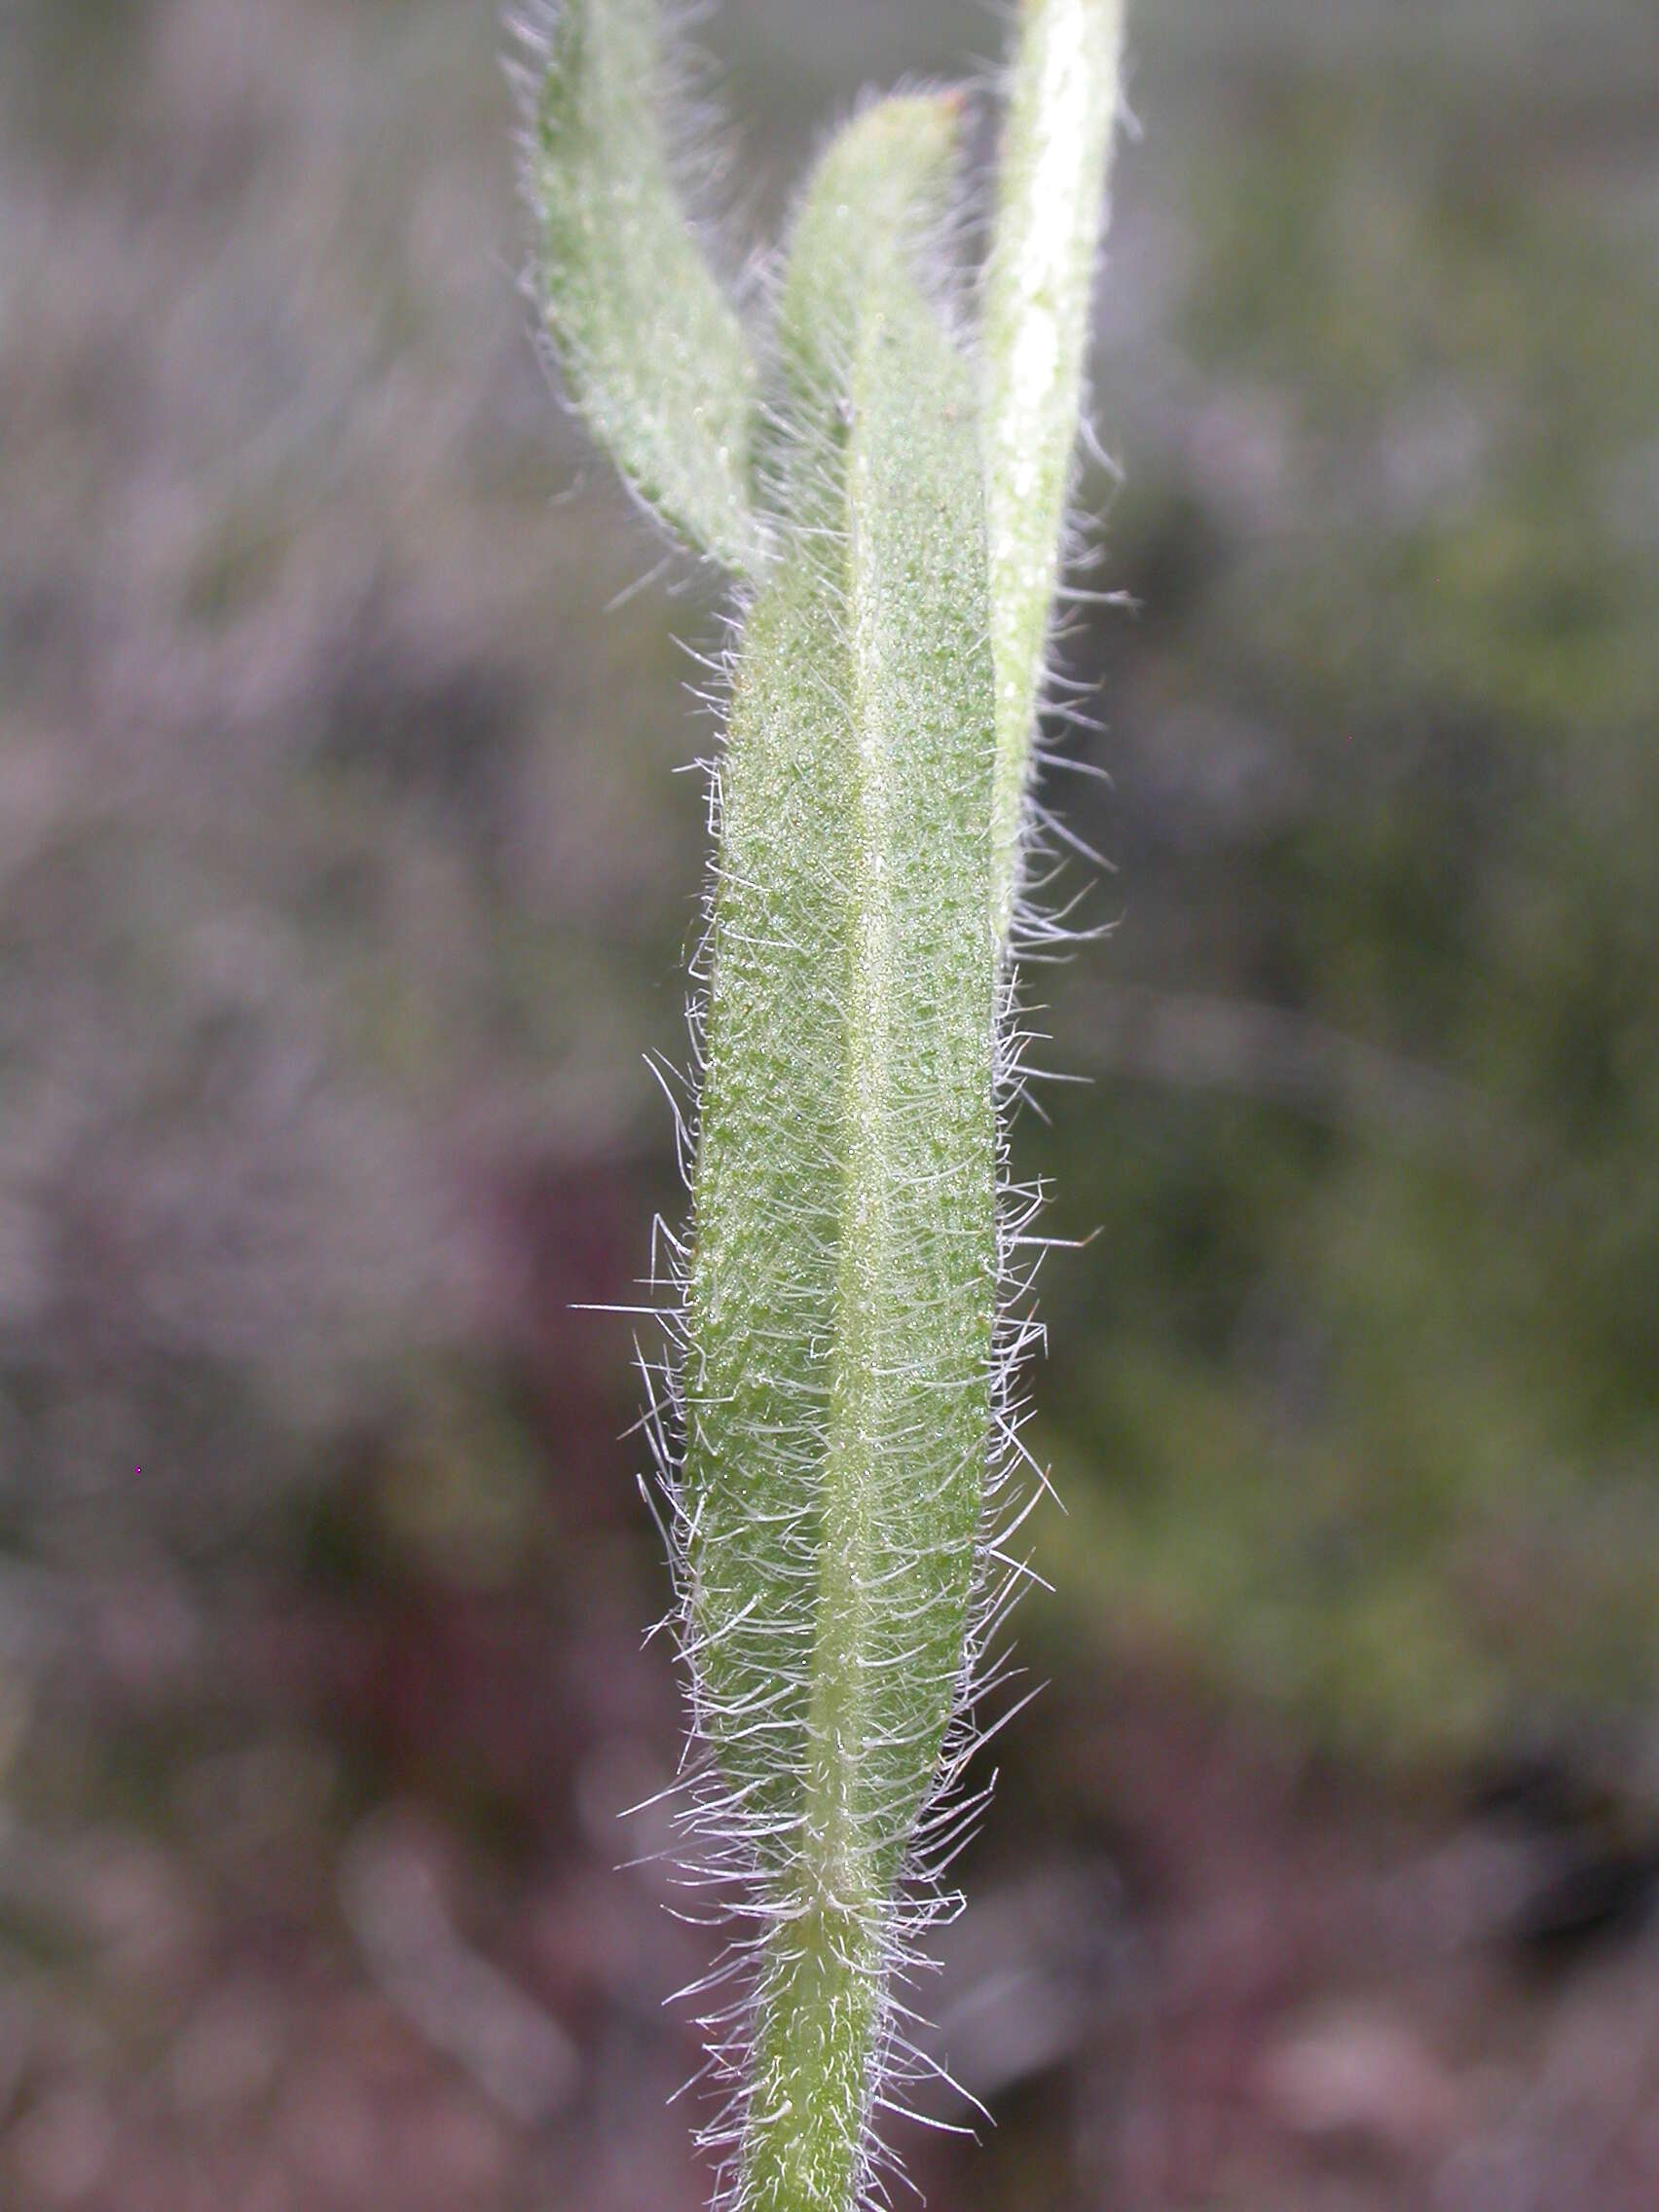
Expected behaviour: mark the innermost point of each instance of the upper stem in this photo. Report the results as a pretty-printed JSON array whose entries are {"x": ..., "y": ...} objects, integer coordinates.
[{"x": 1049, "y": 215}]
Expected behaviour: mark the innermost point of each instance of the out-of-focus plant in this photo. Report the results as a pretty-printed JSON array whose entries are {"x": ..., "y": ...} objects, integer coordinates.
[{"x": 888, "y": 486}]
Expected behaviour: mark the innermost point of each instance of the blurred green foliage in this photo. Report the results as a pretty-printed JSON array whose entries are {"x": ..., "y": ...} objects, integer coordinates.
[{"x": 1371, "y": 1423}]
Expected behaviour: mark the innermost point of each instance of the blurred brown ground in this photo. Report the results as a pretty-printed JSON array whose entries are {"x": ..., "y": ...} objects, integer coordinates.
[{"x": 343, "y": 882}]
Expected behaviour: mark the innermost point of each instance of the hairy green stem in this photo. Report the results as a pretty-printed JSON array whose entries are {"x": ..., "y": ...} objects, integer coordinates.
[
  {"x": 834, "y": 1467},
  {"x": 894, "y": 509},
  {"x": 1039, "y": 280}
]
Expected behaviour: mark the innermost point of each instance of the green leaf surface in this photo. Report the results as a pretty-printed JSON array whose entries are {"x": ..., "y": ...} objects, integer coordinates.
[
  {"x": 652, "y": 350},
  {"x": 843, "y": 1282}
]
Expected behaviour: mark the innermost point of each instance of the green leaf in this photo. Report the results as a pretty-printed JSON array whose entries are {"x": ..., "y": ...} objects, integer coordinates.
[
  {"x": 843, "y": 1292},
  {"x": 1039, "y": 279},
  {"x": 652, "y": 350},
  {"x": 879, "y": 196}
]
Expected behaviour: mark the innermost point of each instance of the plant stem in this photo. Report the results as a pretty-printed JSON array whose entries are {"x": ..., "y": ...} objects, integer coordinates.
[
  {"x": 838, "y": 1524},
  {"x": 1039, "y": 281}
]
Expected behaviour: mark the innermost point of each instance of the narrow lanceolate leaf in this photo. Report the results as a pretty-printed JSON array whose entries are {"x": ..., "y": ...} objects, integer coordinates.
[
  {"x": 1051, "y": 211},
  {"x": 842, "y": 1289},
  {"x": 650, "y": 348}
]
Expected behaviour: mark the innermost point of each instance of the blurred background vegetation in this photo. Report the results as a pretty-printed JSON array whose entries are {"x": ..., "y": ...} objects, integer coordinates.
[{"x": 345, "y": 879}]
